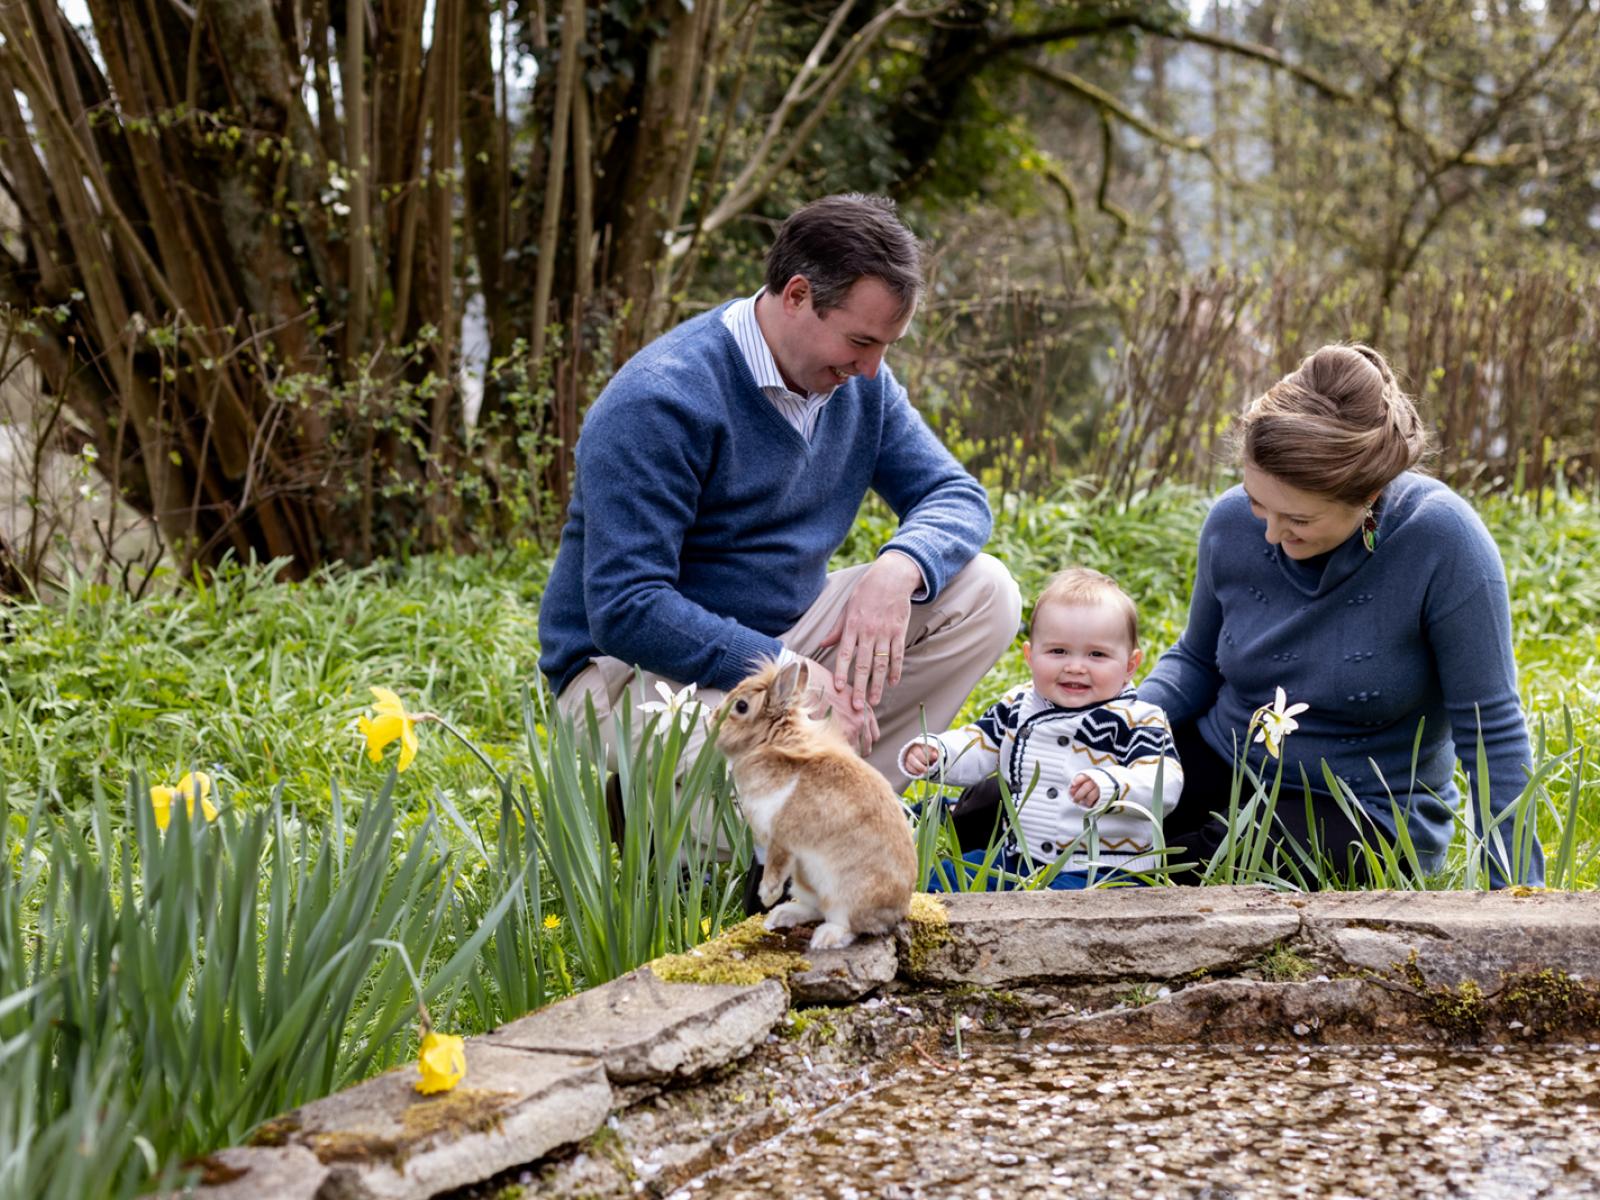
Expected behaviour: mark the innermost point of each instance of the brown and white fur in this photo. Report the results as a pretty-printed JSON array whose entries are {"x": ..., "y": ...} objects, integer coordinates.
[{"x": 830, "y": 824}]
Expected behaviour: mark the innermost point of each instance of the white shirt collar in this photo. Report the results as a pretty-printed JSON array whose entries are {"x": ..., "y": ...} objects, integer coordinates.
[{"x": 740, "y": 318}]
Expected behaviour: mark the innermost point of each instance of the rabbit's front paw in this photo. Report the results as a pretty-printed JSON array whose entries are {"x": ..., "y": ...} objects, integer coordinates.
[
  {"x": 792, "y": 913},
  {"x": 772, "y": 886},
  {"x": 831, "y": 937}
]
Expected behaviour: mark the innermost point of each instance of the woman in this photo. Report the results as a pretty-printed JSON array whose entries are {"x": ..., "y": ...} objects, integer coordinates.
[{"x": 1377, "y": 599}]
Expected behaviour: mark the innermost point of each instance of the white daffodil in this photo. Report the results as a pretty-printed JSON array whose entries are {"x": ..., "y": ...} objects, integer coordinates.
[
  {"x": 673, "y": 704},
  {"x": 1277, "y": 721}
]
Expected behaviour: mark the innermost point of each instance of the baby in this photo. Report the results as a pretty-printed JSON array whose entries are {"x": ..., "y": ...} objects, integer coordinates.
[{"x": 1079, "y": 727}]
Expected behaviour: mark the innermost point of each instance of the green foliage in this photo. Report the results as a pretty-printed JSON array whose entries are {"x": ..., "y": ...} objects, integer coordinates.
[
  {"x": 660, "y": 889},
  {"x": 260, "y": 682},
  {"x": 504, "y": 886},
  {"x": 194, "y": 981}
]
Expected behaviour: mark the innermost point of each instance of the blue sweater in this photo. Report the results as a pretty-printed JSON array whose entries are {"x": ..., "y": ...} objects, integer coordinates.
[
  {"x": 1417, "y": 631},
  {"x": 702, "y": 523}
]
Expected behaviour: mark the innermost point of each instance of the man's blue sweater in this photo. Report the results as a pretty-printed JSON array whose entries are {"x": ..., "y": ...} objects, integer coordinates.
[
  {"x": 702, "y": 522},
  {"x": 1416, "y": 632}
]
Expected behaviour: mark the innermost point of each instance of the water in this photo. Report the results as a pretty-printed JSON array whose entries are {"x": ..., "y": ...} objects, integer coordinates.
[{"x": 1199, "y": 1123}]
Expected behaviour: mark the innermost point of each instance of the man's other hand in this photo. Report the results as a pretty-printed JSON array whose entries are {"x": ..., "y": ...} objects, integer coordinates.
[
  {"x": 871, "y": 631},
  {"x": 859, "y": 725}
]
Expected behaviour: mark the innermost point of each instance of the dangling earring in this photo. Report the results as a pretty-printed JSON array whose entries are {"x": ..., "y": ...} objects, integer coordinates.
[{"x": 1369, "y": 529}]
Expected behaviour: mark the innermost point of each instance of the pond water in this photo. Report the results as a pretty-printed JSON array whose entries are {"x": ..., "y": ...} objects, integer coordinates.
[{"x": 1032, "y": 1117}]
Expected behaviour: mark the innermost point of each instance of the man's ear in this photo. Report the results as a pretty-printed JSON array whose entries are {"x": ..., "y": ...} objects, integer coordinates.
[{"x": 796, "y": 294}]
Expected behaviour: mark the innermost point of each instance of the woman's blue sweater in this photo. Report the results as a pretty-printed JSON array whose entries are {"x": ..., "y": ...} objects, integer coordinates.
[{"x": 1417, "y": 632}]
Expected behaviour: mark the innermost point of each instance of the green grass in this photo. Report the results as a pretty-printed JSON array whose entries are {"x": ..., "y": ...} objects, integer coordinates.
[
  {"x": 495, "y": 841},
  {"x": 260, "y": 683}
]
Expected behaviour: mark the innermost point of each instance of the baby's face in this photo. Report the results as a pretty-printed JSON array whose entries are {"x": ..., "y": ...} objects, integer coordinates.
[{"x": 1080, "y": 654}]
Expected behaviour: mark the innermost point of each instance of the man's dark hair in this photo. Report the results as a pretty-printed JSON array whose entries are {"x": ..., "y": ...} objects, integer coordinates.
[{"x": 837, "y": 240}]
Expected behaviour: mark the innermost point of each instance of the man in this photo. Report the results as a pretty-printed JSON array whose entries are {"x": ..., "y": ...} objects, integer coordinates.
[{"x": 725, "y": 463}]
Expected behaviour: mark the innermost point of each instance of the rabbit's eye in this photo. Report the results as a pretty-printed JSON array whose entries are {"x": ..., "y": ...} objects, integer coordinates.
[{"x": 741, "y": 706}]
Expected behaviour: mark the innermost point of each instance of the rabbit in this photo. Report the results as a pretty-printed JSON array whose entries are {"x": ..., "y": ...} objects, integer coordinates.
[{"x": 830, "y": 824}]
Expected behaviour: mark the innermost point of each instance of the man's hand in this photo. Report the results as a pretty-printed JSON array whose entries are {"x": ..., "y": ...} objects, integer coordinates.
[
  {"x": 871, "y": 632},
  {"x": 859, "y": 726}
]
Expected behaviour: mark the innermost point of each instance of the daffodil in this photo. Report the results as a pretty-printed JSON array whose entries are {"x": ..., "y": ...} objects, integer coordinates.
[
  {"x": 1277, "y": 721},
  {"x": 390, "y": 721},
  {"x": 705, "y": 926},
  {"x": 552, "y": 922},
  {"x": 442, "y": 1062},
  {"x": 673, "y": 704},
  {"x": 161, "y": 798}
]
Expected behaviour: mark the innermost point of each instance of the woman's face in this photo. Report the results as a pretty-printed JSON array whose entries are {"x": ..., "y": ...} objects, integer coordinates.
[{"x": 1303, "y": 523}]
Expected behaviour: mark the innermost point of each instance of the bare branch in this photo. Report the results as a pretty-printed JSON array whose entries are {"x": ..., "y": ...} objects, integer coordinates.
[{"x": 765, "y": 164}]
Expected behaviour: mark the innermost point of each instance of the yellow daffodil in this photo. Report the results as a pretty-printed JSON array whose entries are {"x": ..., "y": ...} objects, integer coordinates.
[
  {"x": 705, "y": 926},
  {"x": 161, "y": 798},
  {"x": 552, "y": 922},
  {"x": 442, "y": 1063},
  {"x": 390, "y": 721},
  {"x": 1277, "y": 721}
]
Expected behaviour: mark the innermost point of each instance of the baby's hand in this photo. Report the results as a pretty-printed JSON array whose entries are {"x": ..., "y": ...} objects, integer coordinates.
[
  {"x": 920, "y": 759},
  {"x": 1085, "y": 790}
]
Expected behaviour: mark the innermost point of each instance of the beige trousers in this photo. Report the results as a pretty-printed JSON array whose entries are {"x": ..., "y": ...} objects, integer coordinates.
[{"x": 950, "y": 645}]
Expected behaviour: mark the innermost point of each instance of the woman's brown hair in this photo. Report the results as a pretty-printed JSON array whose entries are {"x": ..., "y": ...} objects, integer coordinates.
[{"x": 1338, "y": 426}]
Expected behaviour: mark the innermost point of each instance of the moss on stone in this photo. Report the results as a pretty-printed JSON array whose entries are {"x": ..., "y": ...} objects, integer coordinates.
[
  {"x": 455, "y": 1113},
  {"x": 1461, "y": 1011},
  {"x": 803, "y": 1021},
  {"x": 744, "y": 954},
  {"x": 606, "y": 1144},
  {"x": 214, "y": 1172},
  {"x": 1283, "y": 965},
  {"x": 1548, "y": 1001},
  {"x": 275, "y": 1132},
  {"x": 462, "y": 1110},
  {"x": 929, "y": 923}
]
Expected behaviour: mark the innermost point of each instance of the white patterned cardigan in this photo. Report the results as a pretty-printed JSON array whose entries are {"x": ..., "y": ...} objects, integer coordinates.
[{"x": 1121, "y": 743}]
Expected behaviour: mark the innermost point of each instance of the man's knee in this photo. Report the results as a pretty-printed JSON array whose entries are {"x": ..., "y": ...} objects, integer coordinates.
[{"x": 995, "y": 600}]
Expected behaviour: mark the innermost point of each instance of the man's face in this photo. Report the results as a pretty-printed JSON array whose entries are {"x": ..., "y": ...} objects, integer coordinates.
[{"x": 818, "y": 352}]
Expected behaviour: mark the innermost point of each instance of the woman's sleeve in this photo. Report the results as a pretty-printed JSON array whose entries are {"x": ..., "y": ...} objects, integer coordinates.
[
  {"x": 1468, "y": 622},
  {"x": 1185, "y": 681}
]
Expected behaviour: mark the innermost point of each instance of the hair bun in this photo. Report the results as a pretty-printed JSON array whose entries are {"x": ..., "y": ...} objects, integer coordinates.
[
  {"x": 1376, "y": 359},
  {"x": 1331, "y": 428}
]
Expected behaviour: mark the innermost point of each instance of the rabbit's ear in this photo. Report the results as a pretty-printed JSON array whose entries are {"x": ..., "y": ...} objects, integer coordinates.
[{"x": 789, "y": 679}]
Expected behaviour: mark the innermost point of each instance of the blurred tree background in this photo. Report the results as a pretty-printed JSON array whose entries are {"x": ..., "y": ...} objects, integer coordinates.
[{"x": 321, "y": 279}]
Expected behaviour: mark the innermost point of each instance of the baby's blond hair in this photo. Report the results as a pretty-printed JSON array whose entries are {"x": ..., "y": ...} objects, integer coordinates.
[{"x": 1084, "y": 585}]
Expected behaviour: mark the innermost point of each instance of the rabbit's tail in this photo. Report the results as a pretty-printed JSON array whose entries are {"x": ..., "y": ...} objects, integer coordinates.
[{"x": 879, "y": 918}]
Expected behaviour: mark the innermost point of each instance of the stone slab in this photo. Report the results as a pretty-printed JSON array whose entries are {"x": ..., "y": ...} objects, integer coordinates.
[
  {"x": 1247, "y": 1012},
  {"x": 840, "y": 976},
  {"x": 1453, "y": 937},
  {"x": 262, "y": 1173},
  {"x": 1096, "y": 936},
  {"x": 647, "y": 1031},
  {"x": 381, "y": 1140}
]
